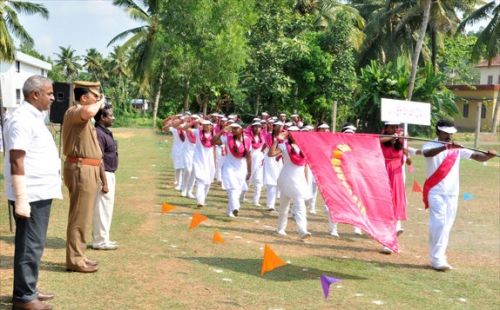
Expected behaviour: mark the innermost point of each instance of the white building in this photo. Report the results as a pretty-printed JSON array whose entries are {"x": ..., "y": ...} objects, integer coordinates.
[
  {"x": 13, "y": 75},
  {"x": 490, "y": 74}
]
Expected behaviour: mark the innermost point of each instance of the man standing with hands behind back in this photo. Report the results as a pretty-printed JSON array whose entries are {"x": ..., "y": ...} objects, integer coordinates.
[
  {"x": 32, "y": 179},
  {"x": 82, "y": 170}
]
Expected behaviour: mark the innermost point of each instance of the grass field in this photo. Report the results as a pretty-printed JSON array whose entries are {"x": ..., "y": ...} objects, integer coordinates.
[{"x": 162, "y": 265}]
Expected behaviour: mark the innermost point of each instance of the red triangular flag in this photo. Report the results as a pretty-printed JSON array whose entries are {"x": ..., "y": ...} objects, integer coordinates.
[
  {"x": 166, "y": 207},
  {"x": 197, "y": 219},
  {"x": 271, "y": 261},
  {"x": 416, "y": 187},
  {"x": 217, "y": 238}
]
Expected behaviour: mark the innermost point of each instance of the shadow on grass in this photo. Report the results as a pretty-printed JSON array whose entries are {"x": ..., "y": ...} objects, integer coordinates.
[
  {"x": 52, "y": 242},
  {"x": 382, "y": 264},
  {"x": 8, "y": 261},
  {"x": 286, "y": 273},
  {"x": 5, "y": 302}
]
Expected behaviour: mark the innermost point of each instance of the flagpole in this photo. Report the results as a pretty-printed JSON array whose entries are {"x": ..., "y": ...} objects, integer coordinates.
[{"x": 429, "y": 140}]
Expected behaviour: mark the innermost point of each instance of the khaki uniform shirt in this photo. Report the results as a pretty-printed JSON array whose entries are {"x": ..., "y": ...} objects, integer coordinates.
[{"x": 79, "y": 136}]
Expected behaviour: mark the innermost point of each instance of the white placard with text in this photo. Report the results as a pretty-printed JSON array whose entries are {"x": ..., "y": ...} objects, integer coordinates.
[{"x": 409, "y": 112}]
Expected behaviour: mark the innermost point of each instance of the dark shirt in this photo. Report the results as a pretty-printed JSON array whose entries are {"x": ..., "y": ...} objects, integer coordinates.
[{"x": 108, "y": 146}]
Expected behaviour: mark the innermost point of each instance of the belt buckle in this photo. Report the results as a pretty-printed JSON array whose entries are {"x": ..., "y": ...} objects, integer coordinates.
[{"x": 79, "y": 162}]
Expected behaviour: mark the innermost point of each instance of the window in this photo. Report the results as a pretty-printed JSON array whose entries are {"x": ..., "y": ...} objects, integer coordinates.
[
  {"x": 18, "y": 66},
  {"x": 465, "y": 112},
  {"x": 18, "y": 96},
  {"x": 490, "y": 79},
  {"x": 42, "y": 72},
  {"x": 483, "y": 111}
]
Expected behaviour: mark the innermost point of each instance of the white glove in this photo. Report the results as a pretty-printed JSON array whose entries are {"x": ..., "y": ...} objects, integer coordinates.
[{"x": 23, "y": 208}]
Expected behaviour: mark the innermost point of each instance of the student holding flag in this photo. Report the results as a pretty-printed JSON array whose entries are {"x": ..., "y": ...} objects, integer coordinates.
[
  {"x": 442, "y": 186},
  {"x": 292, "y": 183}
]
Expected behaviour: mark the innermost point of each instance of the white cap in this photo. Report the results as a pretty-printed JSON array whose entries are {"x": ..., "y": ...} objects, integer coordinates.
[
  {"x": 389, "y": 123},
  {"x": 288, "y": 124},
  {"x": 196, "y": 116},
  {"x": 349, "y": 129},
  {"x": 256, "y": 119},
  {"x": 278, "y": 123},
  {"x": 282, "y": 114},
  {"x": 264, "y": 113},
  {"x": 206, "y": 122},
  {"x": 294, "y": 115},
  {"x": 293, "y": 128},
  {"x": 224, "y": 119},
  {"x": 447, "y": 129},
  {"x": 235, "y": 125},
  {"x": 187, "y": 113},
  {"x": 307, "y": 128},
  {"x": 256, "y": 123},
  {"x": 324, "y": 126},
  {"x": 263, "y": 121},
  {"x": 230, "y": 121},
  {"x": 232, "y": 116}
]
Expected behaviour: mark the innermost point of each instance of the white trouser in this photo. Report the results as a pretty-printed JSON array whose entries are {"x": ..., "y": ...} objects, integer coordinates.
[
  {"x": 271, "y": 191},
  {"x": 442, "y": 213},
  {"x": 103, "y": 212},
  {"x": 311, "y": 203},
  {"x": 257, "y": 189},
  {"x": 332, "y": 226},
  {"x": 178, "y": 178},
  {"x": 201, "y": 192},
  {"x": 188, "y": 178},
  {"x": 300, "y": 214},
  {"x": 233, "y": 200}
]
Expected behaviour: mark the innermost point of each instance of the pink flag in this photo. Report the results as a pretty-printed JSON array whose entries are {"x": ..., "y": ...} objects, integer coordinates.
[{"x": 350, "y": 172}]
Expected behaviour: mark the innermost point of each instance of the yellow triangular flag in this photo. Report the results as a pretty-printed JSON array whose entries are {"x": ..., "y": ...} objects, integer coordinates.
[
  {"x": 197, "y": 219},
  {"x": 271, "y": 261},
  {"x": 166, "y": 207},
  {"x": 217, "y": 238}
]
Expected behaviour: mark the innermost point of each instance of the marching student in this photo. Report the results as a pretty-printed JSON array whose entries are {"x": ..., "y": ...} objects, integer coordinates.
[
  {"x": 189, "y": 146},
  {"x": 203, "y": 161},
  {"x": 179, "y": 136},
  {"x": 292, "y": 183},
  {"x": 237, "y": 165},
  {"x": 272, "y": 167},
  {"x": 257, "y": 143}
]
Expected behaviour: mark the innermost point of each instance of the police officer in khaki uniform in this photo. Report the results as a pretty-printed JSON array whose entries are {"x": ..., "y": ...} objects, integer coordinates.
[{"x": 81, "y": 171}]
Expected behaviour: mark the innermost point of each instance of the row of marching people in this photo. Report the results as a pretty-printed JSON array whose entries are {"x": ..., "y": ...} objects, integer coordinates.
[{"x": 262, "y": 155}]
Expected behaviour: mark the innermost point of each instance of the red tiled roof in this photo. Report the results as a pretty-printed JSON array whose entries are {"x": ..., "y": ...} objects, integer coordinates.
[{"x": 495, "y": 62}]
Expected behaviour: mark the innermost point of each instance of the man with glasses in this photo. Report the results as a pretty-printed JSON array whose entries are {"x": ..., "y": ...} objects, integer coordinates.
[{"x": 81, "y": 171}]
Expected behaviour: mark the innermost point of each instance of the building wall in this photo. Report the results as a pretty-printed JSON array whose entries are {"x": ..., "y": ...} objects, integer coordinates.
[
  {"x": 488, "y": 97},
  {"x": 13, "y": 75},
  {"x": 489, "y": 71}
]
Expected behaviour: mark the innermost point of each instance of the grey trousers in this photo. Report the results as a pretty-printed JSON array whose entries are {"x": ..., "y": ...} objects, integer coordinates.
[{"x": 31, "y": 235}]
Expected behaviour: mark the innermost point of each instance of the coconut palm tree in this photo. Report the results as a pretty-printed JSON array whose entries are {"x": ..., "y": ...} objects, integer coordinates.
[
  {"x": 94, "y": 63},
  {"x": 488, "y": 41},
  {"x": 10, "y": 24},
  {"x": 69, "y": 62},
  {"x": 144, "y": 42}
]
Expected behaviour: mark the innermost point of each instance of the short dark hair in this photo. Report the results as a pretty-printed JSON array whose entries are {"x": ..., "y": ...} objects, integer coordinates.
[
  {"x": 103, "y": 112},
  {"x": 444, "y": 123}
]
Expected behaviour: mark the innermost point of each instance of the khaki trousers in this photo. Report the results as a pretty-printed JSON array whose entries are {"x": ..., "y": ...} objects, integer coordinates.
[{"x": 81, "y": 181}]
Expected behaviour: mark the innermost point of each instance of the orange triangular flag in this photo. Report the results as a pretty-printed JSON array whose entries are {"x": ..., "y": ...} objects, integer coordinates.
[
  {"x": 416, "y": 187},
  {"x": 217, "y": 238},
  {"x": 271, "y": 261},
  {"x": 197, "y": 219},
  {"x": 166, "y": 207}
]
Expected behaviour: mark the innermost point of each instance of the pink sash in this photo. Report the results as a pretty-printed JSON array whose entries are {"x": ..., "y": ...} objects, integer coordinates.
[
  {"x": 181, "y": 134},
  {"x": 238, "y": 151},
  {"x": 191, "y": 136},
  {"x": 440, "y": 173},
  {"x": 205, "y": 141},
  {"x": 257, "y": 141},
  {"x": 297, "y": 159}
]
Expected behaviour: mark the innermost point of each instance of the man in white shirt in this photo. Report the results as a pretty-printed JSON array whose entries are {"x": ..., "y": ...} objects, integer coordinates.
[
  {"x": 442, "y": 186},
  {"x": 32, "y": 180}
]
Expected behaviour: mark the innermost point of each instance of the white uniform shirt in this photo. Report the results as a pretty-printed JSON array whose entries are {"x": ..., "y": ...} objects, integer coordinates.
[
  {"x": 450, "y": 184},
  {"x": 26, "y": 130}
]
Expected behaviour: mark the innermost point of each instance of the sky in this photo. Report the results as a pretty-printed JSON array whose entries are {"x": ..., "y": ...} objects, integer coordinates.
[{"x": 81, "y": 24}]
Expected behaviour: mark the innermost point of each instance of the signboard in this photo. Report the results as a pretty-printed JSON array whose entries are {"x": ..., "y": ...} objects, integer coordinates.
[{"x": 408, "y": 112}]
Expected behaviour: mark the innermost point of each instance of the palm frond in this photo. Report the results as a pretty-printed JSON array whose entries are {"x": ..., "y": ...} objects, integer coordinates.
[
  {"x": 126, "y": 33},
  {"x": 13, "y": 23},
  {"x": 29, "y": 8},
  {"x": 478, "y": 15}
]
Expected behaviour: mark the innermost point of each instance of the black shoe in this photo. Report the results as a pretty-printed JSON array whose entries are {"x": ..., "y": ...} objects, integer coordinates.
[{"x": 235, "y": 212}]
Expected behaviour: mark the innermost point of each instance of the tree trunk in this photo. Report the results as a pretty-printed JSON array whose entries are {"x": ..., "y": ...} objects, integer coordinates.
[
  {"x": 157, "y": 99},
  {"x": 186, "y": 95},
  {"x": 426, "y": 7},
  {"x": 257, "y": 104},
  {"x": 434, "y": 49}
]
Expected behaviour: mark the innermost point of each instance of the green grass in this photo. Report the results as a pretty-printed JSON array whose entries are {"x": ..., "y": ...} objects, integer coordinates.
[{"x": 163, "y": 265}]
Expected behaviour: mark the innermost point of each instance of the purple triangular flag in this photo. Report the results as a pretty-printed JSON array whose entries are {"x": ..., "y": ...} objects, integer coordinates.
[{"x": 326, "y": 281}]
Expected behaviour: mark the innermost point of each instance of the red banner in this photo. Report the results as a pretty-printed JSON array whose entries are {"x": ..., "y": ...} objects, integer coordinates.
[{"x": 351, "y": 175}]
